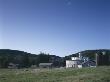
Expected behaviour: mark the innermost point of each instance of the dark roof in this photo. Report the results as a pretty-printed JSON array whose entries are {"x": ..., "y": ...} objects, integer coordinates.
[
  {"x": 89, "y": 62},
  {"x": 45, "y": 63}
]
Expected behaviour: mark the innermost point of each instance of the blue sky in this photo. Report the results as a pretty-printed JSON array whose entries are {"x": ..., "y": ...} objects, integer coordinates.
[{"x": 59, "y": 27}]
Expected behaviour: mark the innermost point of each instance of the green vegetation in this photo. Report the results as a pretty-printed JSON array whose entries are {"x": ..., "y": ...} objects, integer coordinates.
[
  {"x": 99, "y": 74},
  {"x": 25, "y": 59}
]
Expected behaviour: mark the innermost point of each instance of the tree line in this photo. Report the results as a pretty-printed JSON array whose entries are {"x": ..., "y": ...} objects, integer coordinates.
[{"x": 25, "y": 59}]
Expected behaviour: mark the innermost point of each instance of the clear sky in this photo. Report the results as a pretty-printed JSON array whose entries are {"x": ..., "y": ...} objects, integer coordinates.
[{"x": 58, "y": 27}]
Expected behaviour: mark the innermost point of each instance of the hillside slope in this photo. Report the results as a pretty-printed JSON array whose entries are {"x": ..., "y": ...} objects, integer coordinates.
[{"x": 25, "y": 59}]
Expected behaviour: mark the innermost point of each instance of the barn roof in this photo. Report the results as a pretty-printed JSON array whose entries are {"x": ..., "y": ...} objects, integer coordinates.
[{"x": 45, "y": 63}]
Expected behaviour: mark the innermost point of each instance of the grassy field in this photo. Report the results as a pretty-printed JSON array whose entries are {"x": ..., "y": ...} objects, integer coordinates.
[{"x": 99, "y": 74}]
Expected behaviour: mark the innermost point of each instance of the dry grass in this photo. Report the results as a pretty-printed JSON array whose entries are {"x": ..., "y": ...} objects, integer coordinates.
[{"x": 99, "y": 74}]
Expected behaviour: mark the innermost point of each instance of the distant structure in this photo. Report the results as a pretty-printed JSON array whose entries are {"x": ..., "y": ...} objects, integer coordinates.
[
  {"x": 45, "y": 65},
  {"x": 102, "y": 58},
  {"x": 79, "y": 62},
  {"x": 13, "y": 66}
]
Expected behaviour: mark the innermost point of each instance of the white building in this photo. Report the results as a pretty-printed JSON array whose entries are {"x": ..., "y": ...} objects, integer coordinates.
[
  {"x": 78, "y": 62},
  {"x": 71, "y": 63}
]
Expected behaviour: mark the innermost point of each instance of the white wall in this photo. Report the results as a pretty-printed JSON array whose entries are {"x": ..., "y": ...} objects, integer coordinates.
[
  {"x": 75, "y": 58},
  {"x": 70, "y": 63}
]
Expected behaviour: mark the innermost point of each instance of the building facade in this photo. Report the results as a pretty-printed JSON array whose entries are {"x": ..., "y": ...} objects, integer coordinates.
[
  {"x": 45, "y": 65},
  {"x": 79, "y": 62}
]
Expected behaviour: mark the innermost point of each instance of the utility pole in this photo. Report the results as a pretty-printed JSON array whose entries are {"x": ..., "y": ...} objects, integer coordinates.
[{"x": 96, "y": 59}]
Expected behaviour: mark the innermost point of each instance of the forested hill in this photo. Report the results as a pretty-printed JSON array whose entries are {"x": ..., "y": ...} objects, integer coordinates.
[
  {"x": 25, "y": 59},
  {"x": 90, "y": 53}
]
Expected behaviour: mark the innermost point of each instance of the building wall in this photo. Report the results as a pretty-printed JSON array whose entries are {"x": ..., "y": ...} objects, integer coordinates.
[
  {"x": 103, "y": 60},
  {"x": 70, "y": 63},
  {"x": 75, "y": 58},
  {"x": 80, "y": 66},
  {"x": 45, "y": 66}
]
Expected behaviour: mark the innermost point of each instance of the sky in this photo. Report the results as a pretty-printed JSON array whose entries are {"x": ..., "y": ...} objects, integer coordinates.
[{"x": 58, "y": 27}]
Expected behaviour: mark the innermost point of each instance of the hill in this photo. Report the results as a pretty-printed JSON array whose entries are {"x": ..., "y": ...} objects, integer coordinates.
[
  {"x": 103, "y": 55},
  {"x": 25, "y": 59},
  {"x": 14, "y": 56},
  {"x": 91, "y": 53}
]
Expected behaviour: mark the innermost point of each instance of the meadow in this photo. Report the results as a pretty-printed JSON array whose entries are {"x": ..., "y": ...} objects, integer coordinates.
[{"x": 98, "y": 74}]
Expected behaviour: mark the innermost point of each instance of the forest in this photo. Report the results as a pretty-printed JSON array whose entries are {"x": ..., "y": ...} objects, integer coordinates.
[{"x": 26, "y": 60}]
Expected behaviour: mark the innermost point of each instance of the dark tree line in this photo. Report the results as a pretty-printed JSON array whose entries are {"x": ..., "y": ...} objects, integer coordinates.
[{"x": 25, "y": 59}]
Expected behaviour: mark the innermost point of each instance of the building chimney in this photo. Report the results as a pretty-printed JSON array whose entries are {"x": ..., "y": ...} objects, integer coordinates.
[{"x": 80, "y": 56}]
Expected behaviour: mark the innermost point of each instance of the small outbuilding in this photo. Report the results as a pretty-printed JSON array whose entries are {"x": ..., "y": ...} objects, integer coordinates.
[
  {"x": 45, "y": 65},
  {"x": 13, "y": 66}
]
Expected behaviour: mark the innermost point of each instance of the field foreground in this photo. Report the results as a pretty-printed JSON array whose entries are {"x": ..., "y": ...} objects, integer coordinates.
[{"x": 99, "y": 74}]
